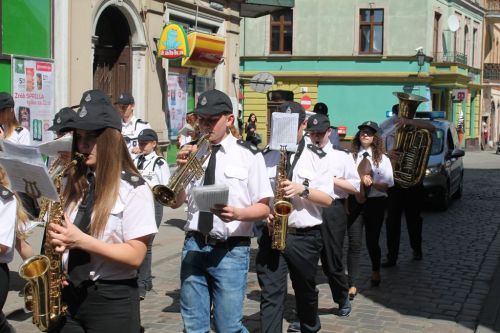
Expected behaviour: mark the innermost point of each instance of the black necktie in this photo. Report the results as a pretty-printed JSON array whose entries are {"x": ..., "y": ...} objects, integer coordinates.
[
  {"x": 140, "y": 164},
  {"x": 79, "y": 260},
  {"x": 206, "y": 219},
  {"x": 296, "y": 157}
]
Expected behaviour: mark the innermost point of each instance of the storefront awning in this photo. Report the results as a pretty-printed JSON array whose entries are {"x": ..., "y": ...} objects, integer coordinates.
[
  {"x": 205, "y": 51},
  {"x": 257, "y": 8}
]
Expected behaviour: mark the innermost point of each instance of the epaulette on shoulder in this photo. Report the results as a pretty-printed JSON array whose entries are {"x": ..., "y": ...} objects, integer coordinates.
[
  {"x": 266, "y": 150},
  {"x": 315, "y": 149},
  {"x": 19, "y": 129},
  {"x": 5, "y": 193},
  {"x": 132, "y": 179},
  {"x": 159, "y": 161},
  {"x": 142, "y": 121},
  {"x": 347, "y": 151},
  {"x": 249, "y": 146}
]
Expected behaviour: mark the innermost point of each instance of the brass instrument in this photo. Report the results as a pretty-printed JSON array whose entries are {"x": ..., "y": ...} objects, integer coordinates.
[
  {"x": 166, "y": 195},
  {"x": 413, "y": 144},
  {"x": 282, "y": 206},
  {"x": 44, "y": 273}
]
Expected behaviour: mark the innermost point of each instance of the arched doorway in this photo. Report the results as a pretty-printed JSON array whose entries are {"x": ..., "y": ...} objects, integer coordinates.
[{"x": 112, "y": 68}]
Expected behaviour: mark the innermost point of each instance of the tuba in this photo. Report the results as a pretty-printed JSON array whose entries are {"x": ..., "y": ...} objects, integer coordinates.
[
  {"x": 413, "y": 144},
  {"x": 180, "y": 179},
  {"x": 44, "y": 273},
  {"x": 282, "y": 206}
]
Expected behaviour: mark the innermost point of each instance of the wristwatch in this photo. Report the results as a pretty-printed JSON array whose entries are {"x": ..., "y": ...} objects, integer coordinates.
[{"x": 305, "y": 193}]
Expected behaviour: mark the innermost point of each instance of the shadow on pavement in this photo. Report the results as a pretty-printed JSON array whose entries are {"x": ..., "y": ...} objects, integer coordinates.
[
  {"x": 178, "y": 223},
  {"x": 175, "y": 306}
]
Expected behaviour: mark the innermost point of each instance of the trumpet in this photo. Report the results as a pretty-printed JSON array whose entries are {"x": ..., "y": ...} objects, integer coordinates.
[{"x": 167, "y": 194}]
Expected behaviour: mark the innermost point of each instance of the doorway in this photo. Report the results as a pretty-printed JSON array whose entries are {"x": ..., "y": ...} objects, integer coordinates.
[{"x": 112, "y": 68}]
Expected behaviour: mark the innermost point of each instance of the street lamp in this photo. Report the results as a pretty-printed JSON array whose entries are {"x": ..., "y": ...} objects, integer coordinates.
[{"x": 420, "y": 58}]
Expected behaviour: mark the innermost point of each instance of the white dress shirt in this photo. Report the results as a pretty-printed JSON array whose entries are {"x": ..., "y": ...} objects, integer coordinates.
[
  {"x": 381, "y": 174},
  {"x": 245, "y": 174},
  {"x": 131, "y": 130},
  {"x": 20, "y": 136},
  {"x": 155, "y": 169},
  {"x": 317, "y": 171},
  {"x": 132, "y": 216},
  {"x": 8, "y": 229},
  {"x": 342, "y": 166}
]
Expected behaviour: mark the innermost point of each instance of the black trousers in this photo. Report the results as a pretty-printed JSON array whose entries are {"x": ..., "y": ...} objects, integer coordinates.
[
  {"x": 373, "y": 217},
  {"x": 99, "y": 307},
  {"x": 409, "y": 201},
  {"x": 333, "y": 231},
  {"x": 4, "y": 290},
  {"x": 355, "y": 238},
  {"x": 300, "y": 258}
]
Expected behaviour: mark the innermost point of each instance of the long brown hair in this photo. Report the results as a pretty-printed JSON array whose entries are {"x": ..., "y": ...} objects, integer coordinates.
[
  {"x": 21, "y": 214},
  {"x": 377, "y": 147},
  {"x": 8, "y": 120},
  {"x": 112, "y": 157}
]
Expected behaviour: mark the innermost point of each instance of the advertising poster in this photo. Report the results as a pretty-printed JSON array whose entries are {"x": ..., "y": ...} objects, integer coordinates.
[
  {"x": 177, "y": 102},
  {"x": 33, "y": 92}
]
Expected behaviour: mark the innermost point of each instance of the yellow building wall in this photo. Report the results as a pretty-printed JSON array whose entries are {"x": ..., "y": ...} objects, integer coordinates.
[{"x": 257, "y": 102}]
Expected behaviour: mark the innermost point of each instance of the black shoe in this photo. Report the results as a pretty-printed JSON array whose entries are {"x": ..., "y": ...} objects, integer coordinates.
[
  {"x": 344, "y": 309},
  {"x": 417, "y": 255},
  {"x": 375, "y": 280},
  {"x": 388, "y": 263},
  {"x": 294, "y": 326}
]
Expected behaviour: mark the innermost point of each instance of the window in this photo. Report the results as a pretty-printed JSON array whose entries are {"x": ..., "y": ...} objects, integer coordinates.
[
  {"x": 371, "y": 31},
  {"x": 281, "y": 32}
]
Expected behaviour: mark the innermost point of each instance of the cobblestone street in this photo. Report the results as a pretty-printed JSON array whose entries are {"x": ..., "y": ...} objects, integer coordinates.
[{"x": 443, "y": 293}]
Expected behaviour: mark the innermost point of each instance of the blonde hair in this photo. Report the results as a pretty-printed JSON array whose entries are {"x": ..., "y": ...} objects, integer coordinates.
[
  {"x": 21, "y": 214},
  {"x": 8, "y": 120},
  {"x": 112, "y": 158}
]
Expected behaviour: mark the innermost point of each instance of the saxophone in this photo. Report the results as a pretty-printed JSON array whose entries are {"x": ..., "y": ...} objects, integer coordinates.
[
  {"x": 282, "y": 206},
  {"x": 413, "y": 144},
  {"x": 44, "y": 273}
]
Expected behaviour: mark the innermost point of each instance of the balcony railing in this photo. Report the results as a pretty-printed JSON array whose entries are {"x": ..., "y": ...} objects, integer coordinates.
[
  {"x": 448, "y": 57},
  {"x": 492, "y": 5},
  {"x": 492, "y": 72}
]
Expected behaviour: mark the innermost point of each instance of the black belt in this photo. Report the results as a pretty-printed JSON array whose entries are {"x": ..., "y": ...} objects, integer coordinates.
[
  {"x": 341, "y": 200},
  {"x": 216, "y": 242},
  {"x": 301, "y": 231},
  {"x": 125, "y": 282}
]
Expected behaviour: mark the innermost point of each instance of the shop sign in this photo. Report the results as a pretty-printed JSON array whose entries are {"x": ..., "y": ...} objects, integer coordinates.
[
  {"x": 342, "y": 130},
  {"x": 173, "y": 42},
  {"x": 205, "y": 51},
  {"x": 305, "y": 101}
]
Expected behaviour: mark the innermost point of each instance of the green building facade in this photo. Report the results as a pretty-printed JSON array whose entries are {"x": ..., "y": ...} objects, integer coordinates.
[
  {"x": 26, "y": 30},
  {"x": 352, "y": 54}
]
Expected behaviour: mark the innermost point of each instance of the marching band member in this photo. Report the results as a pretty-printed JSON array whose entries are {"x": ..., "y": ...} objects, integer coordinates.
[
  {"x": 101, "y": 237},
  {"x": 216, "y": 252},
  {"x": 154, "y": 169},
  {"x": 367, "y": 144},
  {"x": 310, "y": 187},
  {"x": 12, "y": 215},
  {"x": 131, "y": 125}
]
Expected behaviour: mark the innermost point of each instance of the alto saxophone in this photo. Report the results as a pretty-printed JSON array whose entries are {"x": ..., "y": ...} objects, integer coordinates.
[
  {"x": 44, "y": 273},
  {"x": 282, "y": 206},
  {"x": 166, "y": 195}
]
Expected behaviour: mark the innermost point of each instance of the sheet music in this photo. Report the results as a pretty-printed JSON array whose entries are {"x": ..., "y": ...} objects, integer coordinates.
[
  {"x": 52, "y": 148},
  {"x": 284, "y": 131},
  {"x": 26, "y": 170},
  {"x": 206, "y": 197}
]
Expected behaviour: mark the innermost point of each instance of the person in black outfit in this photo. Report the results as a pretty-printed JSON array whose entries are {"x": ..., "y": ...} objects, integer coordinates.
[
  {"x": 251, "y": 130},
  {"x": 408, "y": 200}
]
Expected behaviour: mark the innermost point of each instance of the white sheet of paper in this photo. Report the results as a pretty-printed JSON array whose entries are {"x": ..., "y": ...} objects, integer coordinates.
[
  {"x": 52, "y": 148},
  {"x": 206, "y": 197},
  {"x": 29, "y": 154},
  {"x": 284, "y": 131}
]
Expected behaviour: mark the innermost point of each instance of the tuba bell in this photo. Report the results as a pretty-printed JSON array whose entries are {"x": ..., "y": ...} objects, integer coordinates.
[
  {"x": 166, "y": 195},
  {"x": 413, "y": 144}
]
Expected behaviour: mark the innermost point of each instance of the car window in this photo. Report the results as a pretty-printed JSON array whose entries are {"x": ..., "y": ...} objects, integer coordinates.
[{"x": 437, "y": 142}]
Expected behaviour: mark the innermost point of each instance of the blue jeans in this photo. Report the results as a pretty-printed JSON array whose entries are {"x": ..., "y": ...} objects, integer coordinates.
[{"x": 213, "y": 275}]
